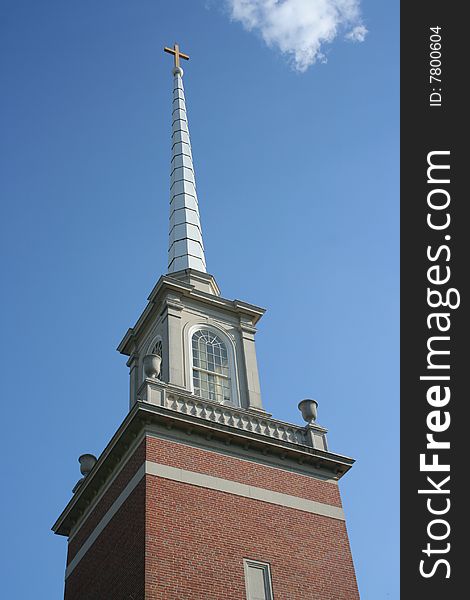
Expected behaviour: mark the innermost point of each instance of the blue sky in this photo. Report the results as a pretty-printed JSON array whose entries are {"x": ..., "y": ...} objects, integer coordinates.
[{"x": 297, "y": 177}]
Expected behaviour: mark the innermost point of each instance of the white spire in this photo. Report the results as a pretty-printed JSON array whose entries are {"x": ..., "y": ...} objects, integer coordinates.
[{"x": 186, "y": 250}]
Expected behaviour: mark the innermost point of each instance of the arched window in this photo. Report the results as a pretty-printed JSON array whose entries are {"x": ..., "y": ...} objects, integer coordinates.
[{"x": 211, "y": 370}]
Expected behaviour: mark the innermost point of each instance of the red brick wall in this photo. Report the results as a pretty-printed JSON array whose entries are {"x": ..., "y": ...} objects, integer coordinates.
[
  {"x": 243, "y": 471},
  {"x": 174, "y": 541},
  {"x": 126, "y": 474},
  {"x": 196, "y": 539},
  {"x": 114, "y": 566}
]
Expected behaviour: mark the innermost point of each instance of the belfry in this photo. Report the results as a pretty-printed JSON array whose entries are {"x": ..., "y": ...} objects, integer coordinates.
[{"x": 201, "y": 494}]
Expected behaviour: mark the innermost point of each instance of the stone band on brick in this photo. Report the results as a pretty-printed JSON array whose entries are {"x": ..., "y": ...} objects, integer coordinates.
[{"x": 206, "y": 481}]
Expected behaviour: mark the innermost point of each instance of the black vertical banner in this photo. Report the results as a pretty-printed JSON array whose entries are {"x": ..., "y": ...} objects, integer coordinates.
[{"x": 435, "y": 250}]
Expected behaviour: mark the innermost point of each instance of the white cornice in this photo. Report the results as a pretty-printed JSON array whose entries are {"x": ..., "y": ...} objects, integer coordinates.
[
  {"x": 255, "y": 444},
  {"x": 167, "y": 284}
]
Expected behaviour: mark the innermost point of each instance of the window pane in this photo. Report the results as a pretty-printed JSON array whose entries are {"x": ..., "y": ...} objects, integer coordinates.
[
  {"x": 258, "y": 582},
  {"x": 210, "y": 361}
]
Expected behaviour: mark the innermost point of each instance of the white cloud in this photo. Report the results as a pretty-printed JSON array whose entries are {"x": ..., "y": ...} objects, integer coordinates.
[
  {"x": 300, "y": 28},
  {"x": 358, "y": 34}
]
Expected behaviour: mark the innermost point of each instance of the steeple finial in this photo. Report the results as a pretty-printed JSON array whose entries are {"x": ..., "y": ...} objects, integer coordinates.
[
  {"x": 177, "y": 54},
  {"x": 186, "y": 250}
]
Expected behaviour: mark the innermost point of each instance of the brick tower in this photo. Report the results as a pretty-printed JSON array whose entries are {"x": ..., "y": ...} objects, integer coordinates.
[{"x": 201, "y": 494}]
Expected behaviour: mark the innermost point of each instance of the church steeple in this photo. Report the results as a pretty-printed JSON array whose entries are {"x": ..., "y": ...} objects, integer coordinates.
[
  {"x": 186, "y": 248},
  {"x": 198, "y": 464}
]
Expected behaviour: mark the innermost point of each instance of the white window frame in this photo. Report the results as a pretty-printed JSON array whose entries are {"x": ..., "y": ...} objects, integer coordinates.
[
  {"x": 266, "y": 569},
  {"x": 235, "y": 396}
]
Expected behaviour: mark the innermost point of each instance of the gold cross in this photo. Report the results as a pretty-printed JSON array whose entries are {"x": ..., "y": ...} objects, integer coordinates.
[{"x": 176, "y": 51}]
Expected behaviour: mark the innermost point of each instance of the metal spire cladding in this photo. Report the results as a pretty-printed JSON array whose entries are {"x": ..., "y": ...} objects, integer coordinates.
[{"x": 186, "y": 249}]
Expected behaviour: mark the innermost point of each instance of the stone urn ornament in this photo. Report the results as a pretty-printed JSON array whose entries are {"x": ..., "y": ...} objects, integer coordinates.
[
  {"x": 152, "y": 365},
  {"x": 87, "y": 462},
  {"x": 309, "y": 410}
]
